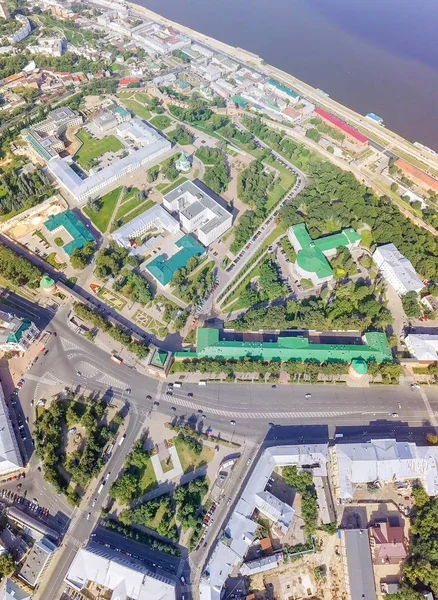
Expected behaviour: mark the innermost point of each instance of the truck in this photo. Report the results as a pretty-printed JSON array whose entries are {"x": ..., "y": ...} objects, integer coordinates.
[
  {"x": 116, "y": 359},
  {"x": 100, "y": 488},
  {"x": 122, "y": 439}
]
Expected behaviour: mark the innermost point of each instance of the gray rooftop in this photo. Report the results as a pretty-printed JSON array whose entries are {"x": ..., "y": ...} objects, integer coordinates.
[
  {"x": 36, "y": 561},
  {"x": 360, "y": 568},
  {"x": 400, "y": 266},
  {"x": 10, "y": 458},
  {"x": 11, "y": 591},
  {"x": 156, "y": 217}
]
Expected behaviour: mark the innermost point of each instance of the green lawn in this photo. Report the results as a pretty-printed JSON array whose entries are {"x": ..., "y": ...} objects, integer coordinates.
[
  {"x": 148, "y": 480},
  {"x": 207, "y": 161},
  {"x": 284, "y": 182},
  {"x": 189, "y": 460},
  {"x": 173, "y": 185},
  {"x": 92, "y": 148},
  {"x": 127, "y": 206},
  {"x": 137, "y": 108},
  {"x": 143, "y": 98},
  {"x": 102, "y": 218},
  {"x": 161, "y": 186},
  {"x": 161, "y": 122}
]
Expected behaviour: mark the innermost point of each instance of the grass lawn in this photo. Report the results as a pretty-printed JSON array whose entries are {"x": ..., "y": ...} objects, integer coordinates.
[
  {"x": 161, "y": 186},
  {"x": 283, "y": 183},
  {"x": 51, "y": 260},
  {"x": 142, "y": 207},
  {"x": 142, "y": 97},
  {"x": 102, "y": 218},
  {"x": 161, "y": 121},
  {"x": 189, "y": 460},
  {"x": 136, "y": 107},
  {"x": 92, "y": 148},
  {"x": 173, "y": 185},
  {"x": 127, "y": 206},
  {"x": 148, "y": 480}
]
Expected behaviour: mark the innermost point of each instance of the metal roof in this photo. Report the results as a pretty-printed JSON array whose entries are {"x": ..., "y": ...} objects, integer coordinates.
[
  {"x": 163, "y": 268},
  {"x": 10, "y": 457},
  {"x": 156, "y": 216},
  {"x": 360, "y": 568},
  {"x": 389, "y": 258},
  {"x": 341, "y": 125},
  {"x": 73, "y": 226}
]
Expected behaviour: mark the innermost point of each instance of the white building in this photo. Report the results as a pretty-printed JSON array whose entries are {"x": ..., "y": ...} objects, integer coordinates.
[
  {"x": 212, "y": 73},
  {"x": 198, "y": 212},
  {"x": 37, "y": 562},
  {"x": 397, "y": 270},
  {"x": 155, "y": 220},
  {"x": 10, "y": 457},
  {"x": 147, "y": 147},
  {"x": 16, "y": 335},
  {"x": 23, "y": 32},
  {"x": 118, "y": 576},
  {"x": 260, "y": 565},
  {"x": 53, "y": 46},
  {"x": 44, "y": 137},
  {"x": 423, "y": 346},
  {"x": 384, "y": 461},
  {"x": 240, "y": 530},
  {"x": 275, "y": 510}
]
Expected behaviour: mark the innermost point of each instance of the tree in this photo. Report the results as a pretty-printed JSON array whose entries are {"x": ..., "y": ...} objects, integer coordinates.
[
  {"x": 7, "y": 565},
  {"x": 411, "y": 305},
  {"x": 181, "y": 135},
  {"x": 313, "y": 134},
  {"x": 152, "y": 174}
]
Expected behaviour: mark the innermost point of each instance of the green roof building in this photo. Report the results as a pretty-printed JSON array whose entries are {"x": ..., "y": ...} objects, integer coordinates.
[
  {"x": 239, "y": 101},
  {"x": 281, "y": 89},
  {"x": 163, "y": 269},
  {"x": 285, "y": 347},
  {"x": 47, "y": 283},
  {"x": 312, "y": 255},
  {"x": 68, "y": 222}
]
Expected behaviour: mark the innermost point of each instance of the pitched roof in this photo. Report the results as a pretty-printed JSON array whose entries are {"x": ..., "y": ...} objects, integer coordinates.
[{"x": 74, "y": 227}]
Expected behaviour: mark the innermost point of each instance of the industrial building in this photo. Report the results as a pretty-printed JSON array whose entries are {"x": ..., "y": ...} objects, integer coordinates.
[
  {"x": 68, "y": 223},
  {"x": 152, "y": 223},
  {"x": 37, "y": 562},
  {"x": 423, "y": 347},
  {"x": 117, "y": 576},
  {"x": 44, "y": 138},
  {"x": 16, "y": 335},
  {"x": 397, "y": 270},
  {"x": 383, "y": 461},
  {"x": 359, "y": 574},
  {"x": 312, "y": 255},
  {"x": 198, "y": 212},
  {"x": 419, "y": 177},
  {"x": 10, "y": 457},
  {"x": 240, "y": 530},
  {"x": 373, "y": 346},
  {"x": 163, "y": 268},
  {"x": 351, "y": 134},
  {"x": 146, "y": 147}
]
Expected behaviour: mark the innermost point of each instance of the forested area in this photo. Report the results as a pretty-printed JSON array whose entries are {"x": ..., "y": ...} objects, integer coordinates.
[
  {"x": 20, "y": 192},
  {"x": 217, "y": 176},
  {"x": 193, "y": 288},
  {"x": 18, "y": 270},
  {"x": 180, "y": 135},
  {"x": 133, "y": 286},
  {"x": 130, "y": 484}
]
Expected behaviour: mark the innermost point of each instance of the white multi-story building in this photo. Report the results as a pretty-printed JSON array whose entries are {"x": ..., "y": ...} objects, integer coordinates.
[
  {"x": 198, "y": 212},
  {"x": 16, "y": 335},
  {"x": 397, "y": 270},
  {"x": 23, "y": 32},
  {"x": 44, "y": 137},
  {"x": 147, "y": 148},
  {"x": 10, "y": 457},
  {"x": 49, "y": 46}
]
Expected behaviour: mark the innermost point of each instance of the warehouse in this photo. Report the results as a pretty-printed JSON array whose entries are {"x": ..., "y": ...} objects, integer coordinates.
[
  {"x": 350, "y": 133},
  {"x": 374, "y": 347}
]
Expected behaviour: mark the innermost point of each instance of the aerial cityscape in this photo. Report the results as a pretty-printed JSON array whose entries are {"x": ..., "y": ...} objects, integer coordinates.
[{"x": 218, "y": 323}]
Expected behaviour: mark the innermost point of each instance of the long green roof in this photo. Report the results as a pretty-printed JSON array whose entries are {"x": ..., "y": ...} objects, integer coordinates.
[
  {"x": 74, "y": 227},
  {"x": 164, "y": 269},
  {"x": 209, "y": 345}
]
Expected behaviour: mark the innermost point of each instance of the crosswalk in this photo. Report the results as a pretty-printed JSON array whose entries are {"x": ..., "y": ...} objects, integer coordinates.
[{"x": 253, "y": 415}]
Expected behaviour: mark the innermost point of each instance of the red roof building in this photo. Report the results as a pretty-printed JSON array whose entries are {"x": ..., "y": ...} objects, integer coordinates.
[
  {"x": 128, "y": 81},
  {"x": 351, "y": 133},
  {"x": 387, "y": 543}
]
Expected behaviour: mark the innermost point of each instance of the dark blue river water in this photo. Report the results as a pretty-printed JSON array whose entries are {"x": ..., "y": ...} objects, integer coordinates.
[{"x": 376, "y": 56}]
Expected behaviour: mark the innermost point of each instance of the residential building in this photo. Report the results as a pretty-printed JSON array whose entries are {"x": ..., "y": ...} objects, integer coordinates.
[
  {"x": 44, "y": 137},
  {"x": 53, "y": 46},
  {"x": 10, "y": 457},
  {"x": 16, "y": 334},
  {"x": 397, "y": 270},
  {"x": 423, "y": 346},
  {"x": 23, "y": 32},
  {"x": 387, "y": 544},
  {"x": 304, "y": 346},
  {"x": 260, "y": 565},
  {"x": 67, "y": 223},
  {"x": 163, "y": 267},
  {"x": 359, "y": 574},
  {"x": 151, "y": 224},
  {"x": 281, "y": 90},
  {"x": 240, "y": 530},
  {"x": 351, "y": 134},
  {"x": 146, "y": 146},
  {"x": 312, "y": 255},
  {"x": 4, "y": 10},
  {"x": 99, "y": 572},
  {"x": 198, "y": 212},
  {"x": 383, "y": 461},
  {"x": 277, "y": 511},
  {"x": 37, "y": 562},
  {"x": 9, "y": 590},
  {"x": 419, "y": 177}
]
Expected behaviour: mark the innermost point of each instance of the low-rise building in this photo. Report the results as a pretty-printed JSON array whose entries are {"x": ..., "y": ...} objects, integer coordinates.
[
  {"x": 98, "y": 572},
  {"x": 359, "y": 574},
  {"x": 423, "y": 347},
  {"x": 419, "y": 177},
  {"x": 383, "y": 461},
  {"x": 34, "y": 528},
  {"x": 164, "y": 267},
  {"x": 312, "y": 255},
  {"x": 37, "y": 562},
  {"x": 282, "y": 91},
  {"x": 387, "y": 544},
  {"x": 68, "y": 224},
  {"x": 351, "y": 134},
  {"x": 198, "y": 212},
  {"x": 9, "y": 590},
  {"x": 397, "y": 270},
  {"x": 277, "y": 511},
  {"x": 212, "y": 343},
  {"x": 16, "y": 334},
  {"x": 260, "y": 565}
]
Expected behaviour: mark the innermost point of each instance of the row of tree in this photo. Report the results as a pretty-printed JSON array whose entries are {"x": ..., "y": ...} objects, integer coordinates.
[
  {"x": 143, "y": 538},
  {"x": 18, "y": 270},
  {"x": 23, "y": 191}
]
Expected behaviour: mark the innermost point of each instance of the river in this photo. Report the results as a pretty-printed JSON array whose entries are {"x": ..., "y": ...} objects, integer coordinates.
[{"x": 376, "y": 56}]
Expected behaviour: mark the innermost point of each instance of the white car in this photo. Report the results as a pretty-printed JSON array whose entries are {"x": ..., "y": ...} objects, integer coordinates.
[{"x": 88, "y": 516}]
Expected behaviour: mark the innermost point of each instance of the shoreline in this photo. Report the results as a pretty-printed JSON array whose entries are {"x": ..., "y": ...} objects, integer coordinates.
[{"x": 373, "y": 130}]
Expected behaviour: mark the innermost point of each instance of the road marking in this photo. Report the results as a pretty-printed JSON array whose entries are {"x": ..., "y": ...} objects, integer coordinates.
[
  {"x": 107, "y": 379},
  {"x": 46, "y": 379},
  {"x": 256, "y": 415},
  {"x": 430, "y": 412},
  {"x": 68, "y": 345}
]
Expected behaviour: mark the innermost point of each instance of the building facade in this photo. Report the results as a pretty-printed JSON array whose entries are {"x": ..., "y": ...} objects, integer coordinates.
[{"x": 10, "y": 457}]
